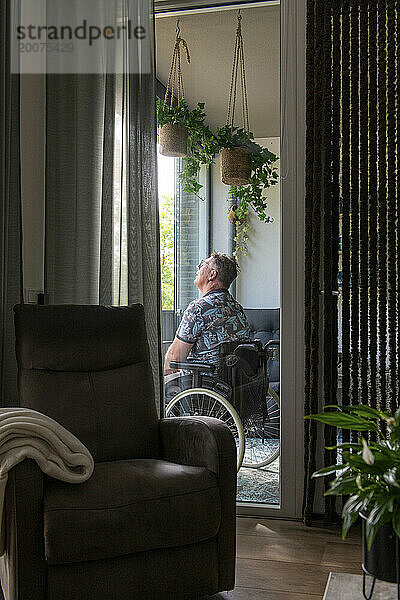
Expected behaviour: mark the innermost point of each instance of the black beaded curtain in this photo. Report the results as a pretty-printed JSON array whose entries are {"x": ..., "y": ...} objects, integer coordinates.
[{"x": 352, "y": 246}]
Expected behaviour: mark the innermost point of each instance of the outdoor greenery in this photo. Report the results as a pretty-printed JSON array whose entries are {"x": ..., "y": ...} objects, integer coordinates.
[
  {"x": 203, "y": 145},
  {"x": 167, "y": 251},
  {"x": 369, "y": 471}
]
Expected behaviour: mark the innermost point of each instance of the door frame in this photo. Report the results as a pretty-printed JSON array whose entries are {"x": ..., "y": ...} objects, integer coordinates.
[{"x": 292, "y": 162}]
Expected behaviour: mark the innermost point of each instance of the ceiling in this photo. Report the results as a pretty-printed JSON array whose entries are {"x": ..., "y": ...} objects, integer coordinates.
[{"x": 211, "y": 38}]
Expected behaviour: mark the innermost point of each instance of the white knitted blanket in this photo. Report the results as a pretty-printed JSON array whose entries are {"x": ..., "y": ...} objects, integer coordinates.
[{"x": 26, "y": 433}]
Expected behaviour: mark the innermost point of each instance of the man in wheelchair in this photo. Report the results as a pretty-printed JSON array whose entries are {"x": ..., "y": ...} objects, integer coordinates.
[
  {"x": 236, "y": 391},
  {"x": 221, "y": 372},
  {"x": 214, "y": 318}
]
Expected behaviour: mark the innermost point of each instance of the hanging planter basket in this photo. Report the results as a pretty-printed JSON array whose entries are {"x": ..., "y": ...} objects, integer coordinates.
[
  {"x": 236, "y": 162},
  {"x": 235, "y": 166},
  {"x": 173, "y": 139}
]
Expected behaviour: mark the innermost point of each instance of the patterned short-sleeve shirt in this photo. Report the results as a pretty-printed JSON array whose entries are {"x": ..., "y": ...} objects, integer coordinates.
[{"x": 214, "y": 318}]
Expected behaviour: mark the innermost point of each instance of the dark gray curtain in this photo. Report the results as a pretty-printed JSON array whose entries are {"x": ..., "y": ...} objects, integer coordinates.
[
  {"x": 74, "y": 191},
  {"x": 10, "y": 211},
  {"x": 352, "y": 215},
  {"x": 102, "y": 234}
]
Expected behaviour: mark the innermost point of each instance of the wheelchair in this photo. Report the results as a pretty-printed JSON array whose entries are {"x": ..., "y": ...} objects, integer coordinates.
[{"x": 237, "y": 393}]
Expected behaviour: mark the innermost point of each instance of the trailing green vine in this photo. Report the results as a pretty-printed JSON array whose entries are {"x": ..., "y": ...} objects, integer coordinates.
[{"x": 263, "y": 175}]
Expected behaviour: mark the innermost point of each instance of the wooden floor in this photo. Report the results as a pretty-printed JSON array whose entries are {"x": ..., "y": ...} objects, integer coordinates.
[{"x": 284, "y": 560}]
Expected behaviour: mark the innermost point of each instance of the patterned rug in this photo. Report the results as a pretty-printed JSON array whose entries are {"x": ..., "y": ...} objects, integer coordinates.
[{"x": 259, "y": 485}]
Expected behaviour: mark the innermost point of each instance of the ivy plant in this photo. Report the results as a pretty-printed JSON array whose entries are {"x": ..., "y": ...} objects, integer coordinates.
[
  {"x": 202, "y": 144},
  {"x": 263, "y": 175},
  {"x": 235, "y": 137},
  {"x": 369, "y": 471}
]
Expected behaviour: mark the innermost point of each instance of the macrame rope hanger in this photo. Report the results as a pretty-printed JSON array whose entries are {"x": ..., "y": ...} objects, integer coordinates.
[
  {"x": 175, "y": 79},
  {"x": 238, "y": 70}
]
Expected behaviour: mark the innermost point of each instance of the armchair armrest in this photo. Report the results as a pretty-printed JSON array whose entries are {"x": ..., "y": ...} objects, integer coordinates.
[
  {"x": 23, "y": 521},
  {"x": 199, "y": 442},
  {"x": 207, "y": 442}
]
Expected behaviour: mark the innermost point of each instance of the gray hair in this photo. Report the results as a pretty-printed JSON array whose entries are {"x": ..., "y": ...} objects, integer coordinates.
[{"x": 226, "y": 266}]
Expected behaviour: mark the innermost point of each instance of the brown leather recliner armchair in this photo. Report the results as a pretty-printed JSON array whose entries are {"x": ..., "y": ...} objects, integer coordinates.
[{"x": 157, "y": 518}]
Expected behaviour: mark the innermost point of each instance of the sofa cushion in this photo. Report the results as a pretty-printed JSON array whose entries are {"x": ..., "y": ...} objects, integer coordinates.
[
  {"x": 264, "y": 325},
  {"x": 129, "y": 506}
]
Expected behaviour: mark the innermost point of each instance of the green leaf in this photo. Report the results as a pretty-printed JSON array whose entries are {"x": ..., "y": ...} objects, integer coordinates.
[
  {"x": 391, "y": 478},
  {"x": 350, "y": 512},
  {"x": 367, "y": 411},
  {"x": 345, "y": 483},
  {"x": 345, "y": 446},
  {"x": 327, "y": 470},
  {"x": 344, "y": 421},
  {"x": 378, "y": 516},
  {"x": 394, "y": 435}
]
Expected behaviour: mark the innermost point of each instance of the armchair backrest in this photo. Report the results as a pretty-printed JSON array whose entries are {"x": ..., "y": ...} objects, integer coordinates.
[{"x": 88, "y": 368}]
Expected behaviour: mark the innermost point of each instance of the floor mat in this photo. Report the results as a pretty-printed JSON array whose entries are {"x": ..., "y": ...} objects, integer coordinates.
[{"x": 259, "y": 485}]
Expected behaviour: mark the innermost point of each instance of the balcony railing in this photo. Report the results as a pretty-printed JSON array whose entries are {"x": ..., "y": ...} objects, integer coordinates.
[{"x": 169, "y": 321}]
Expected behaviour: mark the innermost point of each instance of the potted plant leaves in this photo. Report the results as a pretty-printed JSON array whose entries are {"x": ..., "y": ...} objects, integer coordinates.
[{"x": 369, "y": 473}]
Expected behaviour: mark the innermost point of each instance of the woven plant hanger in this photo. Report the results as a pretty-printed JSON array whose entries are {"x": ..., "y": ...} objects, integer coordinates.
[
  {"x": 238, "y": 68},
  {"x": 175, "y": 79},
  {"x": 173, "y": 136},
  {"x": 236, "y": 162}
]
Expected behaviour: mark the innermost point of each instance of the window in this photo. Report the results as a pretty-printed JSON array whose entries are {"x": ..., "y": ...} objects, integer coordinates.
[{"x": 184, "y": 241}]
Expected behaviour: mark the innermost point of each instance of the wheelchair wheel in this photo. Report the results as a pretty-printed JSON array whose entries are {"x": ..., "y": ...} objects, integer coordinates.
[
  {"x": 263, "y": 443},
  {"x": 202, "y": 402},
  {"x": 176, "y": 383}
]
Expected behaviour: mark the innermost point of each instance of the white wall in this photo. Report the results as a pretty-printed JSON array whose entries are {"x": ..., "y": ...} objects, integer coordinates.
[
  {"x": 258, "y": 284},
  {"x": 259, "y": 280},
  {"x": 220, "y": 226}
]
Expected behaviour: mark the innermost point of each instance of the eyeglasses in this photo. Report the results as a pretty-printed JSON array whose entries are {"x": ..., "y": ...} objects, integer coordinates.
[{"x": 204, "y": 262}]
